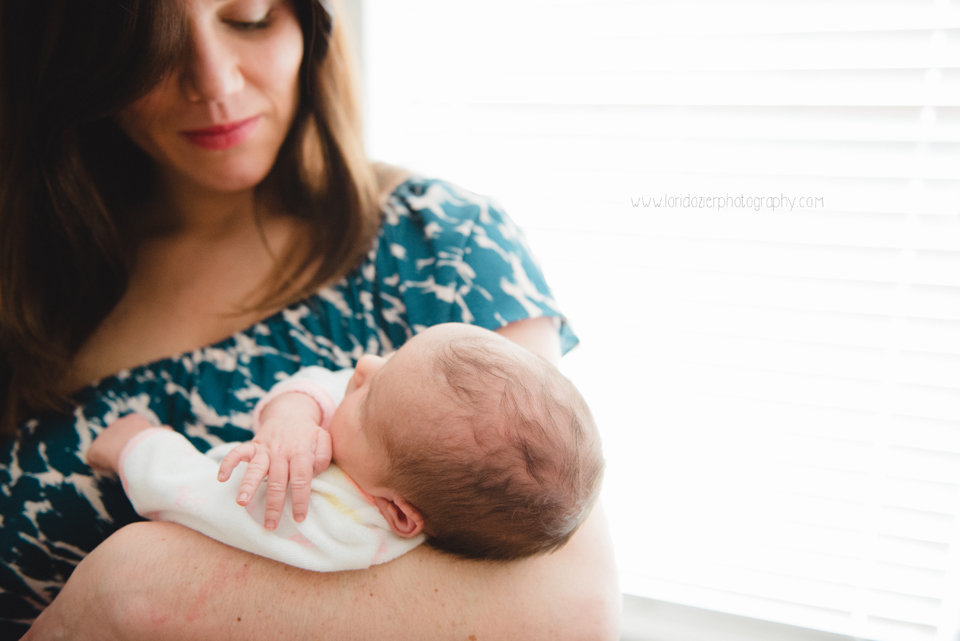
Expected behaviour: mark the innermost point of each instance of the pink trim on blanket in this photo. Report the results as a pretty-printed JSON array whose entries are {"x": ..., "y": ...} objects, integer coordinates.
[{"x": 128, "y": 448}]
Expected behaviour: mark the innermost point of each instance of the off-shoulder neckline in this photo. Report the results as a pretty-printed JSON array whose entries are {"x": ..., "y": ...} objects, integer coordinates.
[
  {"x": 191, "y": 354},
  {"x": 228, "y": 341}
]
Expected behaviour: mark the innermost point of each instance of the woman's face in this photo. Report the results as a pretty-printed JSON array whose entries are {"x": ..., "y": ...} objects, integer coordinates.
[{"x": 217, "y": 120}]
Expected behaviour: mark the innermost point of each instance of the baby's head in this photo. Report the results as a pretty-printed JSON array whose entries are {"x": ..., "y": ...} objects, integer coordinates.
[{"x": 484, "y": 446}]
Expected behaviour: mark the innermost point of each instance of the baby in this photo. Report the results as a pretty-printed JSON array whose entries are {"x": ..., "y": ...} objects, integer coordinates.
[{"x": 461, "y": 437}]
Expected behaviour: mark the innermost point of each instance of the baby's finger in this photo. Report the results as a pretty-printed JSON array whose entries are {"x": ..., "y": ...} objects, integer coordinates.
[
  {"x": 301, "y": 473},
  {"x": 276, "y": 492},
  {"x": 323, "y": 453},
  {"x": 242, "y": 452},
  {"x": 256, "y": 471}
]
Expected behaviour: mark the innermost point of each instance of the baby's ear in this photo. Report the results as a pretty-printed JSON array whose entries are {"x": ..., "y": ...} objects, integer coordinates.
[{"x": 404, "y": 519}]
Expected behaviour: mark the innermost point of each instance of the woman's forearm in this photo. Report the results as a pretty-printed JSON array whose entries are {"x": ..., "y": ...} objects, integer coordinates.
[{"x": 201, "y": 589}]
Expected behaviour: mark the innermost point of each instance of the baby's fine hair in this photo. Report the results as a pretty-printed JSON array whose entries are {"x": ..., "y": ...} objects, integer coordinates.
[{"x": 522, "y": 476}]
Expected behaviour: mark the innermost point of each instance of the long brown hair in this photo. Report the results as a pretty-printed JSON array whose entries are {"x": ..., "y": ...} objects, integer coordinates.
[{"x": 70, "y": 180}]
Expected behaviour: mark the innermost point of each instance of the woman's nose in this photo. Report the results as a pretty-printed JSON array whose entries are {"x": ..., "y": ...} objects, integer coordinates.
[{"x": 212, "y": 68}]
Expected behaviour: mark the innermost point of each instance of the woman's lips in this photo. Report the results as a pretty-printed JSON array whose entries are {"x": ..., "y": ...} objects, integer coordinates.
[{"x": 222, "y": 136}]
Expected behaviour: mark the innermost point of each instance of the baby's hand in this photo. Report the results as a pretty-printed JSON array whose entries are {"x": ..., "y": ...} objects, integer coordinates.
[{"x": 289, "y": 448}]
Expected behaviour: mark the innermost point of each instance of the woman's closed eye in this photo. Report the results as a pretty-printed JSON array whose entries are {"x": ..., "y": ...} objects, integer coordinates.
[
  {"x": 250, "y": 15},
  {"x": 252, "y": 25}
]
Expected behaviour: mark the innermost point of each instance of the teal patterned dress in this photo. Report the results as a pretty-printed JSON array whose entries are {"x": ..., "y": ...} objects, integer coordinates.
[{"x": 442, "y": 255}]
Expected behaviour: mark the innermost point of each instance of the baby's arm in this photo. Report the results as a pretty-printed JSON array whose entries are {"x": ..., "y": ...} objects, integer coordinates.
[
  {"x": 106, "y": 450},
  {"x": 291, "y": 444},
  {"x": 167, "y": 479}
]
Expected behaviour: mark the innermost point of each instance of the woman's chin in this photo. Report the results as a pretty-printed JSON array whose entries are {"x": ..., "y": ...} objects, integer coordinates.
[
  {"x": 223, "y": 180},
  {"x": 235, "y": 184}
]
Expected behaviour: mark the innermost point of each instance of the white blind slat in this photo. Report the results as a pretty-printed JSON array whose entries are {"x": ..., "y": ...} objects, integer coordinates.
[
  {"x": 882, "y": 160},
  {"x": 894, "y": 88},
  {"x": 878, "y": 124},
  {"x": 600, "y": 19}
]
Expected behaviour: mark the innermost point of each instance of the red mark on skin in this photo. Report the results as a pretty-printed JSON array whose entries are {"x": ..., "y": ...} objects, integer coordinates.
[
  {"x": 472, "y": 637},
  {"x": 222, "y": 579},
  {"x": 157, "y": 620}
]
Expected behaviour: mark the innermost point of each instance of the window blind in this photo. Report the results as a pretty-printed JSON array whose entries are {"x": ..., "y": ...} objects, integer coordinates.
[{"x": 750, "y": 211}]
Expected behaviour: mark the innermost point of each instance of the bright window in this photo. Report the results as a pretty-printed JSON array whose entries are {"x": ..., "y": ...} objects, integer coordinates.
[{"x": 750, "y": 211}]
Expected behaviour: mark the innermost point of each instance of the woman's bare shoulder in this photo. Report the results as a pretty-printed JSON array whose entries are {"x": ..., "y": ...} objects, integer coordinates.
[{"x": 183, "y": 295}]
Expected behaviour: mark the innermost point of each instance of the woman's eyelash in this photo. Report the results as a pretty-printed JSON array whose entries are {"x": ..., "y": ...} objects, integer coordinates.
[{"x": 255, "y": 25}]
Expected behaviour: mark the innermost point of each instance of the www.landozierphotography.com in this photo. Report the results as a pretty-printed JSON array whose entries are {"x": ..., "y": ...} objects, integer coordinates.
[{"x": 728, "y": 201}]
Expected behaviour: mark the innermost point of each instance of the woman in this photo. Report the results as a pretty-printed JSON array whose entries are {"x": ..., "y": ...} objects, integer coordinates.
[{"x": 185, "y": 214}]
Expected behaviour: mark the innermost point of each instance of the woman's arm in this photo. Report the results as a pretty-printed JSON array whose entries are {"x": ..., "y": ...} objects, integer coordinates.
[
  {"x": 201, "y": 589},
  {"x": 539, "y": 335}
]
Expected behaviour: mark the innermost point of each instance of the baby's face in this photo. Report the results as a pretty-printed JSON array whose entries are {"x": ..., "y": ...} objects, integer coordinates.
[
  {"x": 356, "y": 448},
  {"x": 375, "y": 395}
]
